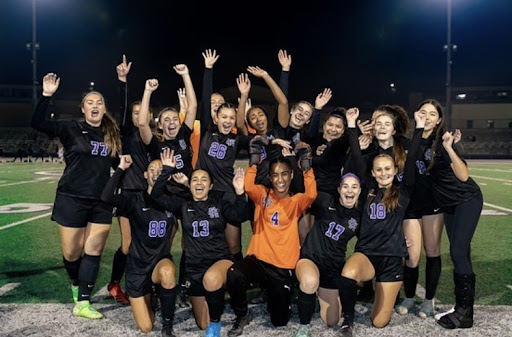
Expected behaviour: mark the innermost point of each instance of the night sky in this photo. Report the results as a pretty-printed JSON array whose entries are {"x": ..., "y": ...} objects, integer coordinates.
[{"x": 357, "y": 48}]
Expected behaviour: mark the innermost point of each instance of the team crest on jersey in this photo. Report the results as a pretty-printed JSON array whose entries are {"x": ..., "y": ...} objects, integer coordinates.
[
  {"x": 168, "y": 214},
  {"x": 267, "y": 201},
  {"x": 230, "y": 142},
  {"x": 183, "y": 145},
  {"x": 427, "y": 154},
  {"x": 296, "y": 138},
  {"x": 213, "y": 212},
  {"x": 352, "y": 224}
]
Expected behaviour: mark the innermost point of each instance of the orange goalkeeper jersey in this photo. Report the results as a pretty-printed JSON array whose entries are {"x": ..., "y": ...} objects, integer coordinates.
[{"x": 275, "y": 237}]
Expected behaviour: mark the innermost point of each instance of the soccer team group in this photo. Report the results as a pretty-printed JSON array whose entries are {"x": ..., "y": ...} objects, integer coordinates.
[{"x": 306, "y": 194}]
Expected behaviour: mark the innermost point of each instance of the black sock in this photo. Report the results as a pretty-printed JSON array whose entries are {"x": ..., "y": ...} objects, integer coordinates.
[
  {"x": 410, "y": 281},
  {"x": 347, "y": 289},
  {"x": 167, "y": 302},
  {"x": 72, "y": 267},
  {"x": 215, "y": 300},
  {"x": 238, "y": 256},
  {"x": 181, "y": 277},
  {"x": 87, "y": 275},
  {"x": 118, "y": 266},
  {"x": 432, "y": 274},
  {"x": 305, "y": 306}
]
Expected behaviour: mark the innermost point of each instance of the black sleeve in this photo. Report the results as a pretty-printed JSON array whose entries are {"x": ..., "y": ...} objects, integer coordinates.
[
  {"x": 108, "y": 195},
  {"x": 206, "y": 116},
  {"x": 358, "y": 165},
  {"x": 39, "y": 122},
  {"x": 297, "y": 184},
  {"x": 167, "y": 201},
  {"x": 314, "y": 125},
  {"x": 321, "y": 202},
  {"x": 243, "y": 142},
  {"x": 125, "y": 118},
  {"x": 236, "y": 213},
  {"x": 410, "y": 161},
  {"x": 284, "y": 81}
]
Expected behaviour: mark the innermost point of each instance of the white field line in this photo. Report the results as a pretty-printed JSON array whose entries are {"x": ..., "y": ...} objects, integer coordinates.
[
  {"x": 8, "y": 287},
  {"x": 38, "y": 180},
  {"x": 495, "y": 179},
  {"x": 498, "y": 207},
  {"x": 509, "y": 286},
  {"x": 23, "y": 221},
  {"x": 489, "y": 169}
]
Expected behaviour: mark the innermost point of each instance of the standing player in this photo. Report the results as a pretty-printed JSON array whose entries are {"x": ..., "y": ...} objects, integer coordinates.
[
  {"x": 149, "y": 261},
  {"x": 274, "y": 247},
  {"x": 84, "y": 220},
  {"x": 204, "y": 219},
  {"x": 381, "y": 246}
]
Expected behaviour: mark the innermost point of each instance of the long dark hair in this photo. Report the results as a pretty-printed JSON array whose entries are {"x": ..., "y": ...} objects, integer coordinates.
[
  {"x": 439, "y": 129},
  {"x": 401, "y": 126}
]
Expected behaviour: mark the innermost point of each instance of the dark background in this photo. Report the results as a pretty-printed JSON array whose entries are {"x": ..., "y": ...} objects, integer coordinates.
[{"x": 357, "y": 48}]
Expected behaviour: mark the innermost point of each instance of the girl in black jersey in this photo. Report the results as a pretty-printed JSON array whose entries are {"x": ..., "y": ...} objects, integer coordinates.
[
  {"x": 204, "y": 219},
  {"x": 84, "y": 220},
  {"x": 149, "y": 260},
  {"x": 170, "y": 132},
  {"x": 462, "y": 202},
  {"x": 323, "y": 252},
  {"x": 381, "y": 244}
]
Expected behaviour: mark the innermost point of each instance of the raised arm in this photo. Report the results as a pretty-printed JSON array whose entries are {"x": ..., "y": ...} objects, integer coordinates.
[
  {"x": 283, "y": 113},
  {"x": 237, "y": 213},
  {"x": 285, "y": 60},
  {"x": 182, "y": 69},
  {"x": 50, "y": 85},
  {"x": 144, "y": 129},
  {"x": 321, "y": 100},
  {"x": 108, "y": 195},
  {"x": 210, "y": 58},
  {"x": 458, "y": 166},
  {"x": 244, "y": 86},
  {"x": 123, "y": 69},
  {"x": 359, "y": 165},
  {"x": 414, "y": 147},
  {"x": 168, "y": 201}
]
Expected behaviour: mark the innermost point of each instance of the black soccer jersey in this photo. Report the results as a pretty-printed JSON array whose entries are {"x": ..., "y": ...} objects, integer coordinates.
[
  {"x": 151, "y": 226},
  {"x": 448, "y": 189},
  {"x": 335, "y": 225},
  {"x": 203, "y": 223},
  {"x": 133, "y": 179},
  {"x": 217, "y": 155},
  {"x": 86, "y": 155},
  {"x": 381, "y": 231}
]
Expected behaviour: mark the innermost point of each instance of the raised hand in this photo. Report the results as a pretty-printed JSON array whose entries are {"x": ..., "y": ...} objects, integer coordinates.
[
  {"x": 419, "y": 117},
  {"x": 257, "y": 71},
  {"x": 281, "y": 142},
  {"x": 244, "y": 84},
  {"x": 286, "y": 152},
  {"x": 182, "y": 98},
  {"x": 364, "y": 141},
  {"x": 210, "y": 57},
  {"x": 123, "y": 69},
  {"x": 323, "y": 98},
  {"x": 167, "y": 157},
  {"x": 457, "y": 137},
  {"x": 180, "y": 178},
  {"x": 256, "y": 149},
  {"x": 285, "y": 59},
  {"x": 320, "y": 150},
  {"x": 304, "y": 155},
  {"x": 181, "y": 69},
  {"x": 126, "y": 161},
  {"x": 365, "y": 127},
  {"x": 151, "y": 85},
  {"x": 352, "y": 115},
  {"x": 238, "y": 180},
  {"x": 50, "y": 84},
  {"x": 448, "y": 139}
]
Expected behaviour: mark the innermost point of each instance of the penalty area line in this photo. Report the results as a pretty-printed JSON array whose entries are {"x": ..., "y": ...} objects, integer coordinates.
[
  {"x": 8, "y": 287},
  {"x": 24, "y": 221}
]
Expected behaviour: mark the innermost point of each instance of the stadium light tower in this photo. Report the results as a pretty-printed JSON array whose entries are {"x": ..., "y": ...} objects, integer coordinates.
[
  {"x": 449, "y": 47},
  {"x": 34, "y": 46}
]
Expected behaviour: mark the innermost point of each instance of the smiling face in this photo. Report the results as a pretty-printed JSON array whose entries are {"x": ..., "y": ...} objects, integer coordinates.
[
  {"x": 135, "y": 114},
  {"x": 200, "y": 185},
  {"x": 215, "y": 102},
  {"x": 153, "y": 172},
  {"x": 226, "y": 119},
  {"x": 432, "y": 117},
  {"x": 169, "y": 122},
  {"x": 349, "y": 191},
  {"x": 384, "y": 170},
  {"x": 333, "y": 128},
  {"x": 300, "y": 115},
  {"x": 281, "y": 176},
  {"x": 258, "y": 120},
  {"x": 384, "y": 128},
  {"x": 93, "y": 108}
]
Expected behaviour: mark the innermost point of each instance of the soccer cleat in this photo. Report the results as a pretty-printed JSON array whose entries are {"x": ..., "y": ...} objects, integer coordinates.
[
  {"x": 438, "y": 316},
  {"x": 303, "y": 331},
  {"x": 74, "y": 292},
  {"x": 261, "y": 297},
  {"x": 118, "y": 294},
  {"x": 427, "y": 309},
  {"x": 406, "y": 306},
  {"x": 181, "y": 298},
  {"x": 213, "y": 330},
  {"x": 346, "y": 330},
  {"x": 167, "y": 328},
  {"x": 238, "y": 325},
  {"x": 84, "y": 309}
]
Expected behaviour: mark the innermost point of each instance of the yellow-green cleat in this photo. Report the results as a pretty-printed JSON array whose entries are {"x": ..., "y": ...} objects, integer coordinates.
[
  {"x": 84, "y": 309},
  {"x": 74, "y": 291}
]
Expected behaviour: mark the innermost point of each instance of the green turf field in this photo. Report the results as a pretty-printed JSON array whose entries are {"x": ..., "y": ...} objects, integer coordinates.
[{"x": 31, "y": 259}]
